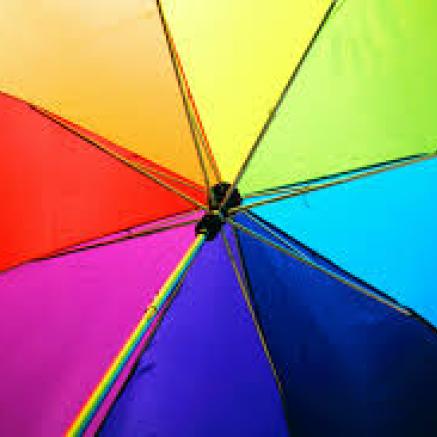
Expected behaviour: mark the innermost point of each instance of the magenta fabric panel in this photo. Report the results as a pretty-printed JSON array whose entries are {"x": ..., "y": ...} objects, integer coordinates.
[
  {"x": 63, "y": 321},
  {"x": 104, "y": 409}
]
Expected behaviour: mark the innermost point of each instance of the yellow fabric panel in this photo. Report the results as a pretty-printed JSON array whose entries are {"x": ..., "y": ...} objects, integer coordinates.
[
  {"x": 104, "y": 65},
  {"x": 238, "y": 56}
]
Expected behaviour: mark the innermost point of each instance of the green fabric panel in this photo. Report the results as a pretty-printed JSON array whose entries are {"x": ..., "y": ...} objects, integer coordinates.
[{"x": 366, "y": 93}]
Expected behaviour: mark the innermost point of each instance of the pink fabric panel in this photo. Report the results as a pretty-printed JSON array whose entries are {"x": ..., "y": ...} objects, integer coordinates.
[{"x": 63, "y": 320}]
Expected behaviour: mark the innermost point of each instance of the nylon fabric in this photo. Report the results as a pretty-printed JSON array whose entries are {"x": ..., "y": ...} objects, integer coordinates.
[
  {"x": 103, "y": 65},
  {"x": 380, "y": 228},
  {"x": 173, "y": 179},
  {"x": 365, "y": 94},
  {"x": 349, "y": 365},
  {"x": 205, "y": 372},
  {"x": 57, "y": 190},
  {"x": 238, "y": 55},
  {"x": 65, "y": 319}
]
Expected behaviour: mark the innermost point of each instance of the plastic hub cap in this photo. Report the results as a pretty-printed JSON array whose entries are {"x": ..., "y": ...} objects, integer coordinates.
[{"x": 212, "y": 222}]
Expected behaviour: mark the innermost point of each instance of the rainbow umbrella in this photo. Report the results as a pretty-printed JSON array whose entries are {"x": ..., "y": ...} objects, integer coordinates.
[{"x": 218, "y": 218}]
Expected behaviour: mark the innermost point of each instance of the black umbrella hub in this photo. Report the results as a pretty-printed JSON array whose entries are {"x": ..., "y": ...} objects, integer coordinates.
[{"x": 211, "y": 223}]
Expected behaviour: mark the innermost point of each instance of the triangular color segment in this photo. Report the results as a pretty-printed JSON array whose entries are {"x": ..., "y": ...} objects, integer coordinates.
[
  {"x": 103, "y": 65},
  {"x": 349, "y": 365},
  {"x": 380, "y": 228},
  {"x": 64, "y": 320},
  {"x": 238, "y": 56},
  {"x": 168, "y": 177},
  {"x": 57, "y": 190},
  {"x": 365, "y": 94},
  {"x": 205, "y": 372}
]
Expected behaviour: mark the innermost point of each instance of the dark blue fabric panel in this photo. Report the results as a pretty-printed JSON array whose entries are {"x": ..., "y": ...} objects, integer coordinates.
[
  {"x": 205, "y": 372},
  {"x": 350, "y": 366}
]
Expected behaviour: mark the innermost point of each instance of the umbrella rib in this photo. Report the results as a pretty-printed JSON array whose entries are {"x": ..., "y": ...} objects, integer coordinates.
[
  {"x": 177, "y": 68},
  {"x": 274, "y": 110},
  {"x": 129, "y": 236},
  {"x": 133, "y": 165},
  {"x": 274, "y": 234},
  {"x": 172, "y": 177},
  {"x": 244, "y": 287},
  {"x": 104, "y": 386},
  {"x": 272, "y": 191},
  {"x": 74, "y": 247},
  {"x": 321, "y": 186},
  {"x": 150, "y": 336},
  {"x": 197, "y": 122},
  {"x": 383, "y": 300},
  {"x": 188, "y": 95},
  {"x": 205, "y": 142},
  {"x": 296, "y": 186}
]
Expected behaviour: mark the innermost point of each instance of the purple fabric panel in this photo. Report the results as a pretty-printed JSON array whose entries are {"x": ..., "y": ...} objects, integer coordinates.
[
  {"x": 205, "y": 372},
  {"x": 63, "y": 320},
  {"x": 99, "y": 417}
]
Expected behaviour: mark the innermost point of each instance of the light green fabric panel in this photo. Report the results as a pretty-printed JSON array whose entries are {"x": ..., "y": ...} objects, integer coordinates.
[{"x": 366, "y": 93}]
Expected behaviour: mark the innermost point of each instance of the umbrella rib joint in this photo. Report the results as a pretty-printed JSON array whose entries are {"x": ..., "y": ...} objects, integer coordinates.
[{"x": 219, "y": 204}]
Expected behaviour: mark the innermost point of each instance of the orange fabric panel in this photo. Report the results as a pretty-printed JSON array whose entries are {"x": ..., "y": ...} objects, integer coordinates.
[
  {"x": 177, "y": 181},
  {"x": 104, "y": 65}
]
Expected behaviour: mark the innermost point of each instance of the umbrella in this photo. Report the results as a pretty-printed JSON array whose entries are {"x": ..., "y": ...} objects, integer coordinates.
[{"x": 217, "y": 218}]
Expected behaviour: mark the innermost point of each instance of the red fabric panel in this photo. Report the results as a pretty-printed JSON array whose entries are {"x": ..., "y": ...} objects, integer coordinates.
[{"x": 57, "y": 190}]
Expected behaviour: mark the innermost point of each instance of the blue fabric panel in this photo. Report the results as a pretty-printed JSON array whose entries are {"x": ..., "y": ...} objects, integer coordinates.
[
  {"x": 350, "y": 366},
  {"x": 382, "y": 228},
  {"x": 205, "y": 372}
]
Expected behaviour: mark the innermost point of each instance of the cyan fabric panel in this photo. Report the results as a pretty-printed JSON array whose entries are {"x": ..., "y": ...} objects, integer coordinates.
[{"x": 381, "y": 228}]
